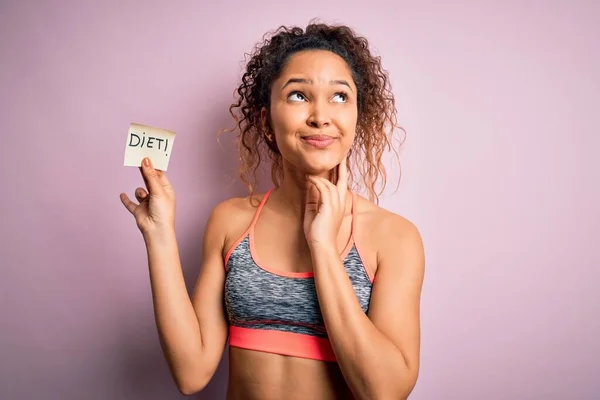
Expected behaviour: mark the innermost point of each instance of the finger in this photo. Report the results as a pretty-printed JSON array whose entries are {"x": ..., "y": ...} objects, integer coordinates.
[
  {"x": 144, "y": 177},
  {"x": 312, "y": 198},
  {"x": 334, "y": 196},
  {"x": 140, "y": 194},
  {"x": 324, "y": 191},
  {"x": 342, "y": 182},
  {"x": 162, "y": 178},
  {"x": 150, "y": 177},
  {"x": 129, "y": 205}
]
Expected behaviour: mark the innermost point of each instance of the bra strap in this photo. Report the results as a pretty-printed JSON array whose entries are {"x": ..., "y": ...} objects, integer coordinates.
[
  {"x": 268, "y": 193},
  {"x": 260, "y": 207},
  {"x": 353, "y": 208}
]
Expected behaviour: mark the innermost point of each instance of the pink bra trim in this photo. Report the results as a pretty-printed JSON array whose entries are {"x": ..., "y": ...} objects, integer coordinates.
[{"x": 280, "y": 342}]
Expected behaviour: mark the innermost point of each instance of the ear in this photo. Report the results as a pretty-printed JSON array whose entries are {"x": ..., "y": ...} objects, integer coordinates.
[{"x": 264, "y": 119}]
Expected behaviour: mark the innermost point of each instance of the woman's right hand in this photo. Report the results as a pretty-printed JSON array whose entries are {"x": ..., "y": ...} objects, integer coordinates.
[{"x": 156, "y": 208}]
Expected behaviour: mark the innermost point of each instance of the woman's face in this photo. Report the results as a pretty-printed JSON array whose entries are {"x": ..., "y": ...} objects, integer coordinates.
[{"x": 314, "y": 111}]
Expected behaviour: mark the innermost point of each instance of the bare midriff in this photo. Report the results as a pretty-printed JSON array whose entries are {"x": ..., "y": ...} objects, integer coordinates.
[{"x": 255, "y": 375}]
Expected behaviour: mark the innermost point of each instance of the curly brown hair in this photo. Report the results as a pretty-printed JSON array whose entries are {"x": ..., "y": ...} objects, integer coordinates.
[{"x": 376, "y": 122}]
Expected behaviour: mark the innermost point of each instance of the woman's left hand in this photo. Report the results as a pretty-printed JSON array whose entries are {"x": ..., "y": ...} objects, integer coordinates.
[{"x": 325, "y": 207}]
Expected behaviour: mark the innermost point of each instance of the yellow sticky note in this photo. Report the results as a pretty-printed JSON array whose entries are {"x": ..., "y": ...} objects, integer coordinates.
[{"x": 146, "y": 141}]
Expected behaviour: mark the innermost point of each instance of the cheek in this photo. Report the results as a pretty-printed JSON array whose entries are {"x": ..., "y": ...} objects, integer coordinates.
[
  {"x": 287, "y": 119},
  {"x": 347, "y": 119}
]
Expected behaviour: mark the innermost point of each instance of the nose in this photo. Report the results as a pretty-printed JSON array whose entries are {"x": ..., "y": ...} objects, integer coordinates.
[{"x": 319, "y": 117}]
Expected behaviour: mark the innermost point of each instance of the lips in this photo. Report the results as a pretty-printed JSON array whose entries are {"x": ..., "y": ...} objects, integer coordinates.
[{"x": 319, "y": 141}]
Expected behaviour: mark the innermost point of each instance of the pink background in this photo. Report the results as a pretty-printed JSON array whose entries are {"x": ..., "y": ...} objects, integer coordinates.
[{"x": 501, "y": 106}]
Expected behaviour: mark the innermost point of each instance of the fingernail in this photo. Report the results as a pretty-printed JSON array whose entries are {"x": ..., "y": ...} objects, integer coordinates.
[{"x": 146, "y": 162}]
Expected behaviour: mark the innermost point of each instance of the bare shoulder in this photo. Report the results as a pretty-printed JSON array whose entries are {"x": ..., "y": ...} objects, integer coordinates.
[
  {"x": 391, "y": 235},
  {"x": 233, "y": 216},
  {"x": 237, "y": 206}
]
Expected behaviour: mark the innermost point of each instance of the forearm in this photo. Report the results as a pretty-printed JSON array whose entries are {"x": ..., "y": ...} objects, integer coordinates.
[
  {"x": 176, "y": 320},
  {"x": 371, "y": 364}
]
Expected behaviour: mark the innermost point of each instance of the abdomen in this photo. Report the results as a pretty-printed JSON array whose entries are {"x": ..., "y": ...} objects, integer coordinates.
[{"x": 266, "y": 376}]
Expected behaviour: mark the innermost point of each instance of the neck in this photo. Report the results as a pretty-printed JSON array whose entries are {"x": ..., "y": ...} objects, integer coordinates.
[{"x": 294, "y": 186}]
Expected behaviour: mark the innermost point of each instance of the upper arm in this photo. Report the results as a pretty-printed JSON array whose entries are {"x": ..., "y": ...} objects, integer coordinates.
[
  {"x": 207, "y": 297},
  {"x": 395, "y": 298}
]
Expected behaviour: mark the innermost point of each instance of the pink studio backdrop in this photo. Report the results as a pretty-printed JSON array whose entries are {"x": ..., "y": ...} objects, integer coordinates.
[{"x": 500, "y": 102}]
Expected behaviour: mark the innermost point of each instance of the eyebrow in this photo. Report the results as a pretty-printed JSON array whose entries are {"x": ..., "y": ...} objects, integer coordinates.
[{"x": 309, "y": 81}]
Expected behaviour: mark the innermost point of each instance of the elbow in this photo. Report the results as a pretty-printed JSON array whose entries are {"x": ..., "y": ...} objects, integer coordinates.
[
  {"x": 190, "y": 388},
  {"x": 395, "y": 389},
  {"x": 190, "y": 385},
  {"x": 187, "y": 391},
  {"x": 406, "y": 386},
  {"x": 397, "y": 392}
]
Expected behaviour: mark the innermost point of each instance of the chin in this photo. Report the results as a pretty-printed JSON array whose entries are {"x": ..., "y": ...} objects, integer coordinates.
[
  {"x": 316, "y": 167},
  {"x": 314, "y": 162}
]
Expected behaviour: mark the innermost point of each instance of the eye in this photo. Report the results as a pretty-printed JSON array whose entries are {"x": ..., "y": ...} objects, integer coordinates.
[
  {"x": 296, "y": 96},
  {"x": 340, "y": 97}
]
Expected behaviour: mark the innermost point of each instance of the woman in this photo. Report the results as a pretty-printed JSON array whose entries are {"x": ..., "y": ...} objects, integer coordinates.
[{"x": 317, "y": 288}]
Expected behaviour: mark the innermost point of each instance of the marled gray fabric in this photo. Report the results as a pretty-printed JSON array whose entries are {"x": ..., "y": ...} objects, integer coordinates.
[{"x": 259, "y": 299}]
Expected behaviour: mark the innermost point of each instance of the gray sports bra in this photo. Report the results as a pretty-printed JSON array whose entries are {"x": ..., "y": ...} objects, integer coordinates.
[{"x": 278, "y": 312}]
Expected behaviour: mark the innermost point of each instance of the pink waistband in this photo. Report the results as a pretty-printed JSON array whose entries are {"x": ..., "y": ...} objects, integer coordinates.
[{"x": 280, "y": 342}]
